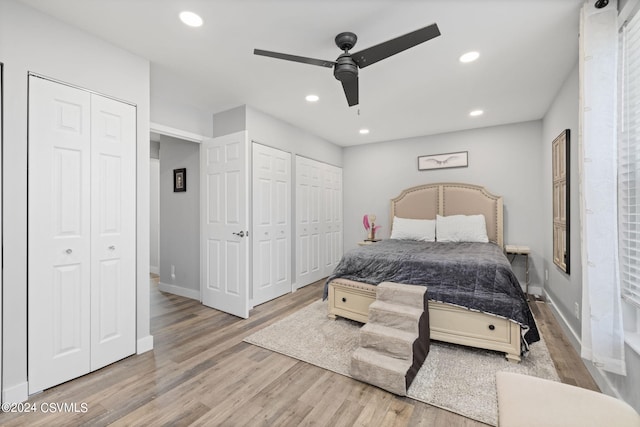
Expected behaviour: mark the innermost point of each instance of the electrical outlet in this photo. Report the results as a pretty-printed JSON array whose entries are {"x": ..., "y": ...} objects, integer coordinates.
[
  {"x": 173, "y": 272},
  {"x": 546, "y": 275},
  {"x": 576, "y": 310}
]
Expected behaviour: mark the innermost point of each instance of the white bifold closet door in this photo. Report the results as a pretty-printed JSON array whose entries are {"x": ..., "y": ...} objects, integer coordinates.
[
  {"x": 271, "y": 241},
  {"x": 318, "y": 220},
  {"x": 81, "y": 227},
  {"x": 308, "y": 223},
  {"x": 332, "y": 206}
]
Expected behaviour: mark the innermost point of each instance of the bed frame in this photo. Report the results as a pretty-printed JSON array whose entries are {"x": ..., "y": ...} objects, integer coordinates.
[{"x": 448, "y": 323}]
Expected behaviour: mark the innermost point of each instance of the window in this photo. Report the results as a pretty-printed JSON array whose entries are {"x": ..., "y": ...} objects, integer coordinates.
[{"x": 629, "y": 160}]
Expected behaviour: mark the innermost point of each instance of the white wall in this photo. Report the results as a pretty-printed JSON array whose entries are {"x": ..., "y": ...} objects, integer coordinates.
[
  {"x": 32, "y": 41},
  {"x": 230, "y": 121},
  {"x": 169, "y": 103},
  {"x": 180, "y": 219},
  {"x": 564, "y": 290},
  {"x": 276, "y": 133},
  {"x": 268, "y": 130},
  {"x": 504, "y": 159}
]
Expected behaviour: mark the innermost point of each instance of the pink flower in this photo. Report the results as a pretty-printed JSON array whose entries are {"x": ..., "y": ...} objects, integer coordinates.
[{"x": 365, "y": 222}]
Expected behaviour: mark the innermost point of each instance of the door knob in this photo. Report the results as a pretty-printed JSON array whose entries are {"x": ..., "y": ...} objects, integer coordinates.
[
  {"x": 240, "y": 234},
  {"x": 111, "y": 248},
  {"x": 68, "y": 251}
]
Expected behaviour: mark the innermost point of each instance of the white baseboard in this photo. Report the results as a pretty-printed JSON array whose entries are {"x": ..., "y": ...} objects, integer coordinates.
[
  {"x": 16, "y": 394},
  {"x": 144, "y": 344},
  {"x": 599, "y": 376},
  {"x": 179, "y": 290},
  {"x": 535, "y": 290},
  {"x": 153, "y": 269},
  {"x": 573, "y": 336}
]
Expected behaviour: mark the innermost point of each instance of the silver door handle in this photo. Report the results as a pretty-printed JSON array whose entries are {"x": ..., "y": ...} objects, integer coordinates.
[
  {"x": 240, "y": 234},
  {"x": 111, "y": 248},
  {"x": 68, "y": 251}
]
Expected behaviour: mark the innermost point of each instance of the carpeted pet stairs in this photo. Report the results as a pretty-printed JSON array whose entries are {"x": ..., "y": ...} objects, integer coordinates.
[{"x": 395, "y": 341}]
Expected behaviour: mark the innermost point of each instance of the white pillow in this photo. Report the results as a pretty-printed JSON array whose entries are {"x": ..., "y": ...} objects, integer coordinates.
[
  {"x": 414, "y": 229},
  {"x": 461, "y": 228}
]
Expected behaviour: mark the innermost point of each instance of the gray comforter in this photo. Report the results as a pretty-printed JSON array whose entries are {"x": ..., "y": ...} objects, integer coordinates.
[{"x": 473, "y": 275}]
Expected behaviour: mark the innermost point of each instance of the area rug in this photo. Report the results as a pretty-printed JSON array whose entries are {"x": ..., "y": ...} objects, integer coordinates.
[{"x": 456, "y": 378}]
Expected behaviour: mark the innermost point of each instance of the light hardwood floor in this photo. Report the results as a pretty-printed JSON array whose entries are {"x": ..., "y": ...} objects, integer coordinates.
[{"x": 201, "y": 373}]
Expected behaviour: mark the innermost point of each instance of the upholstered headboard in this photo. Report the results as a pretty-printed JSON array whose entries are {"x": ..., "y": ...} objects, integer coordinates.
[{"x": 427, "y": 201}]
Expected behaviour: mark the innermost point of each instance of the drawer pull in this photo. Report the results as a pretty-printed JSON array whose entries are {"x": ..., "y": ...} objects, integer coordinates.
[
  {"x": 491, "y": 327},
  {"x": 344, "y": 299}
]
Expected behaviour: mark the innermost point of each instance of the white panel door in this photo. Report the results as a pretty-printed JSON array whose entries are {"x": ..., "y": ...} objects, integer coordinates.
[
  {"x": 271, "y": 241},
  {"x": 154, "y": 216},
  {"x": 328, "y": 201},
  {"x": 309, "y": 266},
  {"x": 59, "y": 244},
  {"x": 332, "y": 191},
  {"x": 224, "y": 224},
  {"x": 113, "y": 231}
]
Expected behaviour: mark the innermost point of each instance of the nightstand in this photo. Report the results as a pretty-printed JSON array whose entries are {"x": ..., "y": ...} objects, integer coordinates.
[{"x": 524, "y": 251}]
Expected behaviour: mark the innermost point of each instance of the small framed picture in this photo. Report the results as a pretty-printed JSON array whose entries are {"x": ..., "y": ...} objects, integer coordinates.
[
  {"x": 179, "y": 180},
  {"x": 445, "y": 160}
]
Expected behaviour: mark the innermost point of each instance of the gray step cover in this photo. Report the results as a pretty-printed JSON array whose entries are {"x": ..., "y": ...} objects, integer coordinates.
[{"x": 395, "y": 316}]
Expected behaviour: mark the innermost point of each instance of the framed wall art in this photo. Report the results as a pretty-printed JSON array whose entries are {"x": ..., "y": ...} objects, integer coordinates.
[
  {"x": 560, "y": 177},
  {"x": 459, "y": 159},
  {"x": 179, "y": 180}
]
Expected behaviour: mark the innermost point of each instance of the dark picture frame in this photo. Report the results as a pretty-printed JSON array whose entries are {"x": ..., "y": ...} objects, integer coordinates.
[
  {"x": 560, "y": 165},
  {"x": 459, "y": 159},
  {"x": 179, "y": 180}
]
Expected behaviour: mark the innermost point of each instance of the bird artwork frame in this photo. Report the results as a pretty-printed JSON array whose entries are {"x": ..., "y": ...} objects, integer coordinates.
[{"x": 459, "y": 159}]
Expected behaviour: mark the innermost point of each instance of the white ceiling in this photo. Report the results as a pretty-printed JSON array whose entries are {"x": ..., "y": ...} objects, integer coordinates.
[{"x": 527, "y": 49}]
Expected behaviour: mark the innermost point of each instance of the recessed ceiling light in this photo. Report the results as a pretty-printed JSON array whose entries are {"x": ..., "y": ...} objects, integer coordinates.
[
  {"x": 364, "y": 131},
  {"x": 476, "y": 113},
  {"x": 312, "y": 98},
  {"x": 469, "y": 57},
  {"x": 190, "y": 19}
]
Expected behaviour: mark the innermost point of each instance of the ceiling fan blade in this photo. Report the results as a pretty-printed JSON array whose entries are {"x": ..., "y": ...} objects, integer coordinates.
[
  {"x": 351, "y": 91},
  {"x": 386, "y": 49},
  {"x": 304, "y": 60}
]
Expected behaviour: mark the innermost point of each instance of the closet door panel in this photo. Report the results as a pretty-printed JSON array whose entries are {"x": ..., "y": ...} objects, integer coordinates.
[
  {"x": 332, "y": 224},
  {"x": 308, "y": 221},
  {"x": 271, "y": 223},
  {"x": 337, "y": 217},
  {"x": 113, "y": 244},
  {"x": 59, "y": 245}
]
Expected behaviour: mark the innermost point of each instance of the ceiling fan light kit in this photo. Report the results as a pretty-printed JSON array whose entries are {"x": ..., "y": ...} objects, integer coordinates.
[{"x": 345, "y": 68}]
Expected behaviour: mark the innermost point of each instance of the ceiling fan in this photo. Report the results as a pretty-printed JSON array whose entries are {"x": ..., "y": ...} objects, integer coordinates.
[{"x": 345, "y": 68}]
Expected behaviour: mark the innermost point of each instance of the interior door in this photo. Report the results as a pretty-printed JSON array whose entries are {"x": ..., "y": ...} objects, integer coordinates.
[
  {"x": 271, "y": 241},
  {"x": 332, "y": 190},
  {"x": 154, "y": 216},
  {"x": 224, "y": 183},
  {"x": 59, "y": 245},
  {"x": 308, "y": 225},
  {"x": 113, "y": 230}
]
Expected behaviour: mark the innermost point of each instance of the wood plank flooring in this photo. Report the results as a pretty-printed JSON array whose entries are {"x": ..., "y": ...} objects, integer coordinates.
[{"x": 201, "y": 373}]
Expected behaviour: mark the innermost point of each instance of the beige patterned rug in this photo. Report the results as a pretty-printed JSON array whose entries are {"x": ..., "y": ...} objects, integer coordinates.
[{"x": 456, "y": 378}]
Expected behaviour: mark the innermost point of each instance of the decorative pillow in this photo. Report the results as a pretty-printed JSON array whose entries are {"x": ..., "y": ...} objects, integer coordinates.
[
  {"x": 461, "y": 228},
  {"x": 414, "y": 229}
]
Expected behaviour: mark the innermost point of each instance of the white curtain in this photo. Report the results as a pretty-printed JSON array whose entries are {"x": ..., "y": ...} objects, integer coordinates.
[{"x": 602, "y": 332}]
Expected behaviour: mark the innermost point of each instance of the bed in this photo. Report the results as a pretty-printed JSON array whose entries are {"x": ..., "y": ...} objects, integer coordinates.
[{"x": 494, "y": 316}]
